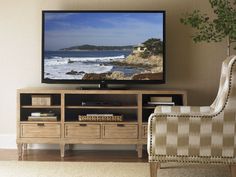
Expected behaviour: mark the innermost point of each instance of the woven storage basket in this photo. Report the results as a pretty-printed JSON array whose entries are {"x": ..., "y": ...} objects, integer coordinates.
[{"x": 115, "y": 118}]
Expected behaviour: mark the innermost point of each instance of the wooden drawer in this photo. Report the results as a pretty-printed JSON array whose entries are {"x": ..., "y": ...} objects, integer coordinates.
[
  {"x": 92, "y": 131},
  {"x": 144, "y": 131},
  {"x": 118, "y": 131},
  {"x": 40, "y": 130}
]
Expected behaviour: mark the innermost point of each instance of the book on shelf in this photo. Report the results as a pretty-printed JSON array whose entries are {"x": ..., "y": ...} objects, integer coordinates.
[
  {"x": 49, "y": 118},
  {"x": 40, "y": 114},
  {"x": 161, "y": 99},
  {"x": 153, "y": 103}
]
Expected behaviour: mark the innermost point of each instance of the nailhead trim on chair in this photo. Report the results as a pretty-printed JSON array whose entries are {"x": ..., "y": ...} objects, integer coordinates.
[
  {"x": 184, "y": 159},
  {"x": 224, "y": 160}
]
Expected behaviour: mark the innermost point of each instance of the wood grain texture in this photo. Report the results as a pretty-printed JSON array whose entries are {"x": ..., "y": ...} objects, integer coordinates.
[
  {"x": 40, "y": 130},
  {"x": 61, "y": 91},
  {"x": 233, "y": 170},
  {"x": 20, "y": 150},
  {"x": 36, "y": 106},
  {"x": 153, "y": 169},
  {"x": 144, "y": 131},
  {"x": 74, "y": 156},
  {"x": 140, "y": 117},
  {"x": 83, "y": 131},
  {"x": 120, "y": 131},
  {"x": 62, "y": 149}
]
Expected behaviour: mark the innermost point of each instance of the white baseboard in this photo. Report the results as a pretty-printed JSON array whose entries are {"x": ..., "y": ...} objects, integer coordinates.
[{"x": 8, "y": 141}]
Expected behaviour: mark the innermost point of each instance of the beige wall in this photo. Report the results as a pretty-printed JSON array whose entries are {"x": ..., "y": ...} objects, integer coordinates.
[{"x": 189, "y": 66}]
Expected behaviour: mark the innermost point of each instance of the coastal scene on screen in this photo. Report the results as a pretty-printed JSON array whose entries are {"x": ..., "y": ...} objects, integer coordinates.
[{"x": 103, "y": 46}]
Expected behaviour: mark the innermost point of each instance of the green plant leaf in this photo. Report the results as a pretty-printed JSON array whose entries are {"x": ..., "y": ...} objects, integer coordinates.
[{"x": 213, "y": 29}]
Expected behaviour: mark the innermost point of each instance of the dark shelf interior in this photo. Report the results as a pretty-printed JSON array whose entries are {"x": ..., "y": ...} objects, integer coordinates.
[
  {"x": 146, "y": 114},
  {"x": 116, "y": 100},
  {"x": 24, "y": 113},
  {"x": 176, "y": 98},
  {"x": 101, "y": 99},
  {"x": 25, "y": 99}
]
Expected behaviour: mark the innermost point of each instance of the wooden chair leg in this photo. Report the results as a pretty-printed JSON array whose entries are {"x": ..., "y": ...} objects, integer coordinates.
[
  {"x": 153, "y": 169},
  {"x": 233, "y": 170}
]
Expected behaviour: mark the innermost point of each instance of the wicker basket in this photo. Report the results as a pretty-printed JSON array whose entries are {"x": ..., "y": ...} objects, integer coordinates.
[
  {"x": 115, "y": 118},
  {"x": 41, "y": 100}
]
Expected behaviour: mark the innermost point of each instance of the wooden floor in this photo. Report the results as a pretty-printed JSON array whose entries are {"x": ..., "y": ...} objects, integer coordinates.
[{"x": 74, "y": 155}]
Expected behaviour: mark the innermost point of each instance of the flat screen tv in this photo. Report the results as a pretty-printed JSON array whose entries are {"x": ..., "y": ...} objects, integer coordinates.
[{"x": 112, "y": 47}]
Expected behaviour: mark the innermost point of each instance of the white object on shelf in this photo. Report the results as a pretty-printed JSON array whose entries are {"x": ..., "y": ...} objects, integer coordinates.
[{"x": 160, "y": 103}]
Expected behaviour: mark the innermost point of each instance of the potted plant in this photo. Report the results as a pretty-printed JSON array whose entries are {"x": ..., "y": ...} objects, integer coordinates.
[{"x": 216, "y": 29}]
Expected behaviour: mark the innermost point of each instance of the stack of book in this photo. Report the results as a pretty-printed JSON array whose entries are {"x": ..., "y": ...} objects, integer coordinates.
[
  {"x": 155, "y": 100},
  {"x": 100, "y": 118},
  {"x": 38, "y": 116}
]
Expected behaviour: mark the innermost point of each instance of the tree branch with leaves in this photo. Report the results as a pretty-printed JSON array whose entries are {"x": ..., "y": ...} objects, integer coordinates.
[{"x": 216, "y": 29}]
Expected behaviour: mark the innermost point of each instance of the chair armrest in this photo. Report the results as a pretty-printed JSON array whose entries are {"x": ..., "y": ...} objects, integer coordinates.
[
  {"x": 176, "y": 134},
  {"x": 183, "y": 109}
]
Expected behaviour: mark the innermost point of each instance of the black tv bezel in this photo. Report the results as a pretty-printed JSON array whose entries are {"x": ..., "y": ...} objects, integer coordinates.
[{"x": 72, "y": 81}]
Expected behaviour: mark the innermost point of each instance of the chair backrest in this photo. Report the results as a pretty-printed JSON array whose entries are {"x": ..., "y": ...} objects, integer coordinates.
[{"x": 226, "y": 96}]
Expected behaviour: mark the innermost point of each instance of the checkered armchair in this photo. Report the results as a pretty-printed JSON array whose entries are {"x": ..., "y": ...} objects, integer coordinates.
[{"x": 189, "y": 134}]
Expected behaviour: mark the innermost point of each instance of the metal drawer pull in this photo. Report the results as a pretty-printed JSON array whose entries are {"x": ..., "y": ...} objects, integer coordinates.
[
  {"x": 40, "y": 124},
  {"x": 83, "y": 125},
  {"x": 120, "y": 125}
]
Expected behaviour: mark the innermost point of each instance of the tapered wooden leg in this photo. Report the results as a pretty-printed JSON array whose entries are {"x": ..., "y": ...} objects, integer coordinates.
[
  {"x": 233, "y": 170},
  {"x": 62, "y": 148},
  {"x": 153, "y": 169},
  {"x": 24, "y": 148},
  {"x": 19, "y": 148},
  {"x": 140, "y": 150}
]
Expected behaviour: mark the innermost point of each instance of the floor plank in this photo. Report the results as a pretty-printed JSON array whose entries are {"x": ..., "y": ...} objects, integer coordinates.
[{"x": 75, "y": 155}]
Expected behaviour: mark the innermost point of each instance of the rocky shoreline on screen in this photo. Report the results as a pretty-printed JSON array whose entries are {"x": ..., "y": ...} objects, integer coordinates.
[{"x": 153, "y": 69}]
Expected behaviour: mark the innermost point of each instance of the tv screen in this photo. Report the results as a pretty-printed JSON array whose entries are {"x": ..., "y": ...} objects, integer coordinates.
[{"x": 110, "y": 46}]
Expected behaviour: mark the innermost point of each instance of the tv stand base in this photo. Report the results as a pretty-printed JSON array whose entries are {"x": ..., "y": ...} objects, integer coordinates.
[{"x": 68, "y": 106}]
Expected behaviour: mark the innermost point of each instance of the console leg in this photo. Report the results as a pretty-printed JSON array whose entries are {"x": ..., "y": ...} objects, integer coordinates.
[
  {"x": 24, "y": 148},
  {"x": 19, "y": 149},
  {"x": 140, "y": 150},
  {"x": 62, "y": 149}
]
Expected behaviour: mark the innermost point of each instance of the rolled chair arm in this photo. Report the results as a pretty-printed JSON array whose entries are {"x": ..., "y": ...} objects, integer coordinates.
[{"x": 198, "y": 110}]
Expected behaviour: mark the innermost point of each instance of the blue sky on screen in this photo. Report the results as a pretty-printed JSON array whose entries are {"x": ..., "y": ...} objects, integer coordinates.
[{"x": 111, "y": 29}]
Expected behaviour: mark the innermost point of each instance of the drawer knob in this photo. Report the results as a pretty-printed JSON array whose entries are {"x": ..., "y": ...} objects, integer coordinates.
[
  {"x": 83, "y": 125},
  {"x": 40, "y": 124},
  {"x": 120, "y": 125}
]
